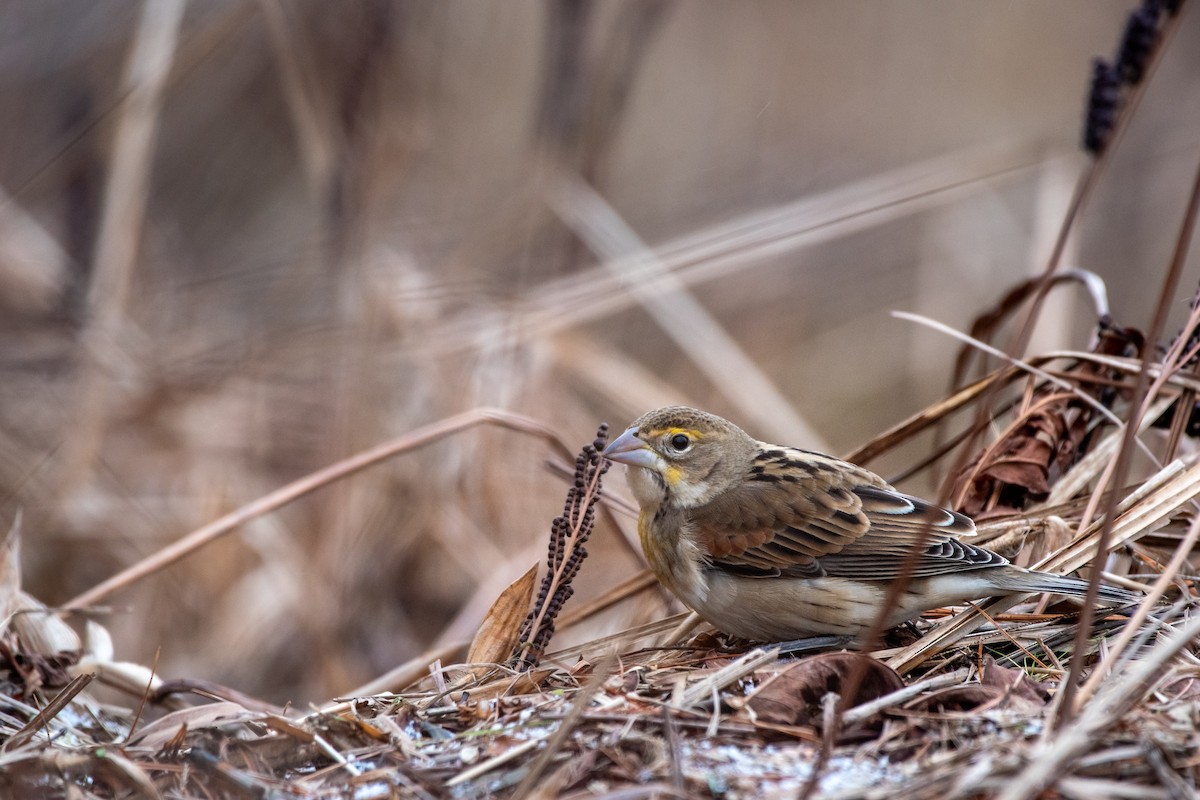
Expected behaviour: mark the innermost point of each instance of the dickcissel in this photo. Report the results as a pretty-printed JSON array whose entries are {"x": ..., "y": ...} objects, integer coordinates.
[{"x": 773, "y": 543}]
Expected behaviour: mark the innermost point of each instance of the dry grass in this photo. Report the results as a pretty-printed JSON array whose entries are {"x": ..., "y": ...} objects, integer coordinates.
[{"x": 303, "y": 322}]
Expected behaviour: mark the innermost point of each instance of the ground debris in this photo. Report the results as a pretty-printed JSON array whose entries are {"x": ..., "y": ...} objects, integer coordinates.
[{"x": 633, "y": 734}]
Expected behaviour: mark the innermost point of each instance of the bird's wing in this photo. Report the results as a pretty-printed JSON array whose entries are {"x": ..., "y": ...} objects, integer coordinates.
[
  {"x": 797, "y": 514},
  {"x": 898, "y": 523}
]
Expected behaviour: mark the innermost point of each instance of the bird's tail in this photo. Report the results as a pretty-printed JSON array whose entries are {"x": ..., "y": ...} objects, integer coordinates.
[{"x": 1022, "y": 580}]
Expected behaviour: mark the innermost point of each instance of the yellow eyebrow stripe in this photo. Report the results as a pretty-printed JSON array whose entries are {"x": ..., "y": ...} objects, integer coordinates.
[{"x": 692, "y": 433}]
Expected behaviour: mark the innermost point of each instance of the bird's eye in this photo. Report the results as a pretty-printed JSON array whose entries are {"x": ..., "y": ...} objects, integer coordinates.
[{"x": 680, "y": 442}]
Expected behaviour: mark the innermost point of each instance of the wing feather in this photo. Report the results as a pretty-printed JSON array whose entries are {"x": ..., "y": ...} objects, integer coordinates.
[{"x": 804, "y": 514}]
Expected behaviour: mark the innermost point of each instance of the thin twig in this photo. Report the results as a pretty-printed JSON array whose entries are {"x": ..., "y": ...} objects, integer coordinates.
[
  {"x": 869, "y": 709},
  {"x": 52, "y": 709},
  {"x": 745, "y": 665},
  {"x": 1067, "y": 707}
]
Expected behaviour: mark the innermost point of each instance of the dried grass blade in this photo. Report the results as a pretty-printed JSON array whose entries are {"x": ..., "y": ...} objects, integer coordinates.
[
  {"x": 869, "y": 709},
  {"x": 1135, "y": 623},
  {"x": 619, "y": 641},
  {"x": 1115, "y": 699},
  {"x": 51, "y": 710},
  {"x": 1130, "y": 366},
  {"x": 750, "y": 662}
]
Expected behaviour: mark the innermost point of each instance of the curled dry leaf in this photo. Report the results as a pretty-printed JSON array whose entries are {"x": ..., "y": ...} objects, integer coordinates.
[
  {"x": 999, "y": 687},
  {"x": 1015, "y": 683},
  {"x": 1019, "y": 469},
  {"x": 497, "y": 636},
  {"x": 957, "y": 699},
  {"x": 156, "y": 734},
  {"x": 1050, "y": 434},
  {"x": 794, "y": 696}
]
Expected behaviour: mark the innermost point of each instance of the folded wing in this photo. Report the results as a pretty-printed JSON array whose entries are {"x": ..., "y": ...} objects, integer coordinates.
[{"x": 797, "y": 515}]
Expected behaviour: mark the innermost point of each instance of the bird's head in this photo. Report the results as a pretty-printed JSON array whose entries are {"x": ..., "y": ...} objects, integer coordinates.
[{"x": 681, "y": 457}]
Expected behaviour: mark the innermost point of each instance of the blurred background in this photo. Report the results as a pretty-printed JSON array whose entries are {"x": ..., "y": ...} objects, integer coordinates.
[{"x": 242, "y": 239}]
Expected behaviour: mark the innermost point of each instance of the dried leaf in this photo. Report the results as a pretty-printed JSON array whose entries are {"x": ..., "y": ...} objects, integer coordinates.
[
  {"x": 957, "y": 699},
  {"x": 1042, "y": 445},
  {"x": 794, "y": 696},
  {"x": 1015, "y": 683},
  {"x": 999, "y": 687},
  {"x": 157, "y": 733},
  {"x": 1011, "y": 474},
  {"x": 498, "y": 634}
]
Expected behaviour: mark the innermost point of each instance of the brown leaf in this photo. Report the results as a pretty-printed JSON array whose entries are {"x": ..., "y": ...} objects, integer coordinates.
[
  {"x": 1182, "y": 689},
  {"x": 497, "y": 636},
  {"x": 999, "y": 687},
  {"x": 1015, "y": 683},
  {"x": 1043, "y": 444},
  {"x": 967, "y": 697},
  {"x": 1021, "y": 468},
  {"x": 794, "y": 696},
  {"x": 157, "y": 733}
]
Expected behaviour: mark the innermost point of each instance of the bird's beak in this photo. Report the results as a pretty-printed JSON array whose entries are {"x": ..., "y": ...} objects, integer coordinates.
[{"x": 629, "y": 449}]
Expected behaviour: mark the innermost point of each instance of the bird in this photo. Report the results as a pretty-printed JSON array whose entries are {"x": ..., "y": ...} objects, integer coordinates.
[{"x": 772, "y": 543}]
